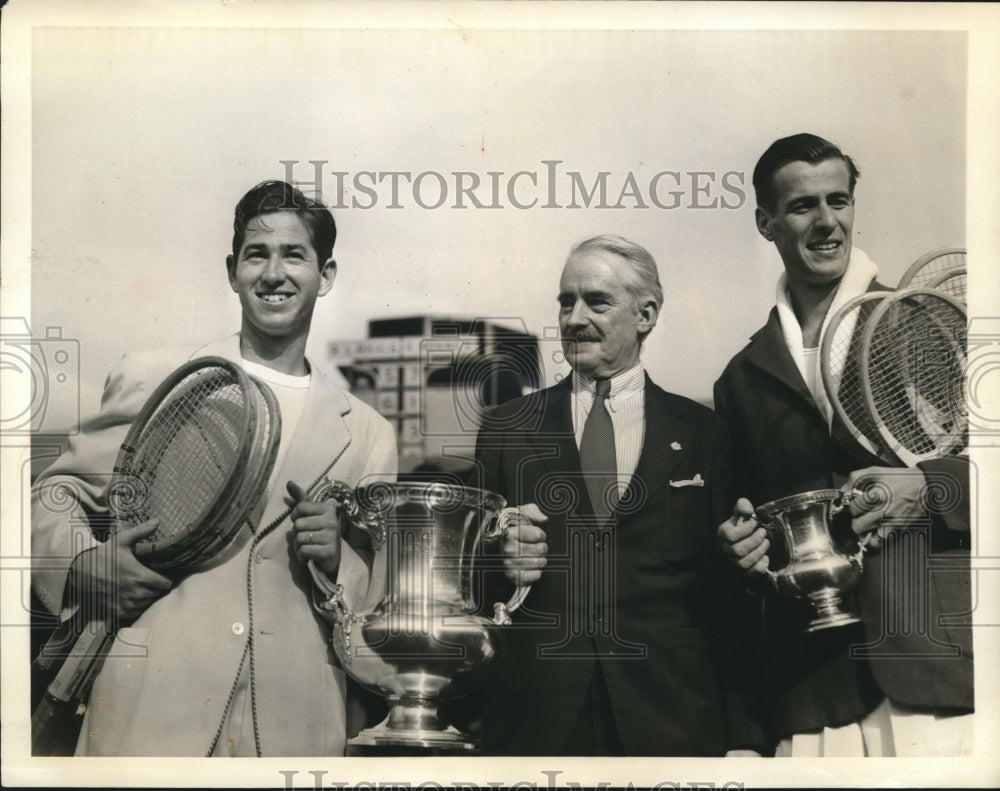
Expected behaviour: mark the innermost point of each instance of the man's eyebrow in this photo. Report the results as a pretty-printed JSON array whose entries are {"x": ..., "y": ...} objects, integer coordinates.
[{"x": 284, "y": 247}]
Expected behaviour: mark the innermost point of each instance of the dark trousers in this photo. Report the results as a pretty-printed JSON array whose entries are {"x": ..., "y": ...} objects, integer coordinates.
[{"x": 595, "y": 731}]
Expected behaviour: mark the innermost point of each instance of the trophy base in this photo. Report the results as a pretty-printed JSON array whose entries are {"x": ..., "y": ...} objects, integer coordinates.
[
  {"x": 450, "y": 739},
  {"x": 828, "y": 612},
  {"x": 830, "y": 622}
]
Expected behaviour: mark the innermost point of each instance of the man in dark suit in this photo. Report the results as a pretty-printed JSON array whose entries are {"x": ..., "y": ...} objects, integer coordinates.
[
  {"x": 900, "y": 683},
  {"x": 635, "y": 638}
]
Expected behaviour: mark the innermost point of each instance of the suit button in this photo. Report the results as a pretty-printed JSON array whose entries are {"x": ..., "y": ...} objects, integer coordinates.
[
  {"x": 259, "y": 557},
  {"x": 238, "y": 628}
]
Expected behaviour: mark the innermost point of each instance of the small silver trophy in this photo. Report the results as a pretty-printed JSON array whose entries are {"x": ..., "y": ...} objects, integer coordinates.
[{"x": 805, "y": 561}]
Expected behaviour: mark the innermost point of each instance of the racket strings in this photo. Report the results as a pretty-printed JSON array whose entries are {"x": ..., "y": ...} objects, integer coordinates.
[
  {"x": 916, "y": 374},
  {"x": 840, "y": 362},
  {"x": 196, "y": 459},
  {"x": 953, "y": 283},
  {"x": 933, "y": 266},
  {"x": 191, "y": 448}
]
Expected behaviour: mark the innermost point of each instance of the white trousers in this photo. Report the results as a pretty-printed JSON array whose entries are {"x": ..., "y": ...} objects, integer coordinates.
[{"x": 889, "y": 731}]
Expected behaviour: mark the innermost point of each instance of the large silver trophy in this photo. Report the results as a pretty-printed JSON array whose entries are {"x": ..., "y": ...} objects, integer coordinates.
[
  {"x": 805, "y": 561},
  {"x": 422, "y": 641}
]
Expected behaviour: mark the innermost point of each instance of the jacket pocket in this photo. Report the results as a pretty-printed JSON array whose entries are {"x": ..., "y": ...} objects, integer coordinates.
[{"x": 131, "y": 641}]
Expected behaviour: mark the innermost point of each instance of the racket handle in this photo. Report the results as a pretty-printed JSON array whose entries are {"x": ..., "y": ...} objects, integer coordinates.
[
  {"x": 53, "y": 653},
  {"x": 49, "y": 722},
  {"x": 82, "y": 663},
  {"x": 69, "y": 688}
]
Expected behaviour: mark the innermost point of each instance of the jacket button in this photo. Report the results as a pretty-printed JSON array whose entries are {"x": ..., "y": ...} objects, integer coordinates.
[
  {"x": 259, "y": 557},
  {"x": 238, "y": 628}
]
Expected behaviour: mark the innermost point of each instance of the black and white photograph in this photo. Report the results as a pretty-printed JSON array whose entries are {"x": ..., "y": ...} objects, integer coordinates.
[{"x": 478, "y": 395}]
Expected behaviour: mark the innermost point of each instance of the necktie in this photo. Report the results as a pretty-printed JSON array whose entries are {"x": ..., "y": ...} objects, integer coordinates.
[{"x": 597, "y": 454}]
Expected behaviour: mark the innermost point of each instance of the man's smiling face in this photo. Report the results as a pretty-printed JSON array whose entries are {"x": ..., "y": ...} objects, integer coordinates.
[
  {"x": 812, "y": 220},
  {"x": 600, "y": 320},
  {"x": 278, "y": 277}
]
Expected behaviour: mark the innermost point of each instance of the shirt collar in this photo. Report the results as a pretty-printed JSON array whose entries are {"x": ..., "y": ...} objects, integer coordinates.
[{"x": 623, "y": 385}]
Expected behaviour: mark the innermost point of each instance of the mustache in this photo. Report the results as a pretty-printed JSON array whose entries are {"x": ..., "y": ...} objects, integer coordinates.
[{"x": 581, "y": 336}]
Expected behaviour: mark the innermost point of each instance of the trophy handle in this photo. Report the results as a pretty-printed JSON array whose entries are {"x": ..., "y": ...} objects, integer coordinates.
[
  {"x": 839, "y": 505},
  {"x": 371, "y": 522},
  {"x": 498, "y": 529},
  {"x": 763, "y": 522}
]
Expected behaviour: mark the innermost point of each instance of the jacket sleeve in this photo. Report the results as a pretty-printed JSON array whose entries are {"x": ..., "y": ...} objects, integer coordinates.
[
  {"x": 736, "y": 635},
  {"x": 948, "y": 498},
  {"x": 68, "y": 505}
]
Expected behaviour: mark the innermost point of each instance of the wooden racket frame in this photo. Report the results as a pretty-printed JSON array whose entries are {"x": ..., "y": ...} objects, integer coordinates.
[
  {"x": 871, "y": 444},
  {"x": 913, "y": 271},
  {"x": 940, "y": 283},
  {"x": 907, "y": 457}
]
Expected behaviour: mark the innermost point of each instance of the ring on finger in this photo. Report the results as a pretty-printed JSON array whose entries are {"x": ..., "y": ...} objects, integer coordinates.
[{"x": 310, "y": 539}]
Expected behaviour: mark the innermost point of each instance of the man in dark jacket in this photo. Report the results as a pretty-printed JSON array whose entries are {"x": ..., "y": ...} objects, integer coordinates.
[
  {"x": 900, "y": 682},
  {"x": 635, "y": 638}
]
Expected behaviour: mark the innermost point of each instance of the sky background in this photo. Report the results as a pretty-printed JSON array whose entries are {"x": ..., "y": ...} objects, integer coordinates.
[{"x": 144, "y": 138}]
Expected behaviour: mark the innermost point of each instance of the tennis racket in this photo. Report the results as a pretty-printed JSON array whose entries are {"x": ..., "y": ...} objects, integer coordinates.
[
  {"x": 953, "y": 283},
  {"x": 840, "y": 367},
  {"x": 197, "y": 458},
  {"x": 913, "y": 359},
  {"x": 931, "y": 266}
]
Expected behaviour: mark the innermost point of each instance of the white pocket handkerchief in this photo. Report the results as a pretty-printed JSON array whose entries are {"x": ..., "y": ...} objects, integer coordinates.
[{"x": 697, "y": 480}]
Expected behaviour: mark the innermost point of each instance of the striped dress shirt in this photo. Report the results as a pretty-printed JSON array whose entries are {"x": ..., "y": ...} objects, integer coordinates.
[{"x": 626, "y": 404}]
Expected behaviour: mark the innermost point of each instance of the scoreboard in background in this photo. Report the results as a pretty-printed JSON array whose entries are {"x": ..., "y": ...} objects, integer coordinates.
[{"x": 432, "y": 377}]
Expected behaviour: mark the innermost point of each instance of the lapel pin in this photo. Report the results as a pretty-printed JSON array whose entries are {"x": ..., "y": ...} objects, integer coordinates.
[{"x": 675, "y": 445}]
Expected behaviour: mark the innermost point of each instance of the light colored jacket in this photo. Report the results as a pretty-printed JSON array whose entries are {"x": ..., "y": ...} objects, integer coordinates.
[{"x": 166, "y": 685}]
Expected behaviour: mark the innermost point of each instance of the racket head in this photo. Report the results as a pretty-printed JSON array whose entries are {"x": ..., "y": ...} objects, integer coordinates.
[
  {"x": 913, "y": 361},
  {"x": 840, "y": 368},
  {"x": 183, "y": 462},
  {"x": 931, "y": 266},
  {"x": 954, "y": 283}
]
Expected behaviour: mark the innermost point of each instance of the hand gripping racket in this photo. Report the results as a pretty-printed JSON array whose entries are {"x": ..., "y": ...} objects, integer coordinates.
[
  {"x": 913, "y": 360},
  {"x": 840, "y": 367},
  {"x": 197, "y": 458}
]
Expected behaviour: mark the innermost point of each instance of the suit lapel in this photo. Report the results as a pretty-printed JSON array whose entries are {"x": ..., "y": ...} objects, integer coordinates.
[
  {"x": 665, "y": 442},
  {"x": 770, "y": 354},
  {"x": 320, "y": 439},
  {"x": 664, "y": 432},
  {"x": 554, "y": 439}
]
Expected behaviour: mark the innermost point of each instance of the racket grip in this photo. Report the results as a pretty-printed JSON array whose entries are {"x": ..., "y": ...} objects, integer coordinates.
[{"x": 69, "y": 688}]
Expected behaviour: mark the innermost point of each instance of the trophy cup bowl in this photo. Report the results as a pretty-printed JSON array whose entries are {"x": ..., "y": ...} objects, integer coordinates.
[
  {"x": 422, "y": 642},
  {"x": 805, "y": 561}
]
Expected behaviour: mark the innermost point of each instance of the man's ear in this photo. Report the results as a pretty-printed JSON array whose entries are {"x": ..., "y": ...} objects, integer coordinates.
[
  {"x": 231, "y": 271},
  {"x": 327, "y": 273},
  {"x": 648, "y": 313},
  {"x": 763, "y": 217}
]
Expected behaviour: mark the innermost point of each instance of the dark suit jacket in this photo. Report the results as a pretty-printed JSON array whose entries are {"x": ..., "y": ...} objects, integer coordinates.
[
  {"x": 914, "y": 598},
  {"x": 649, "y": 595}
]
